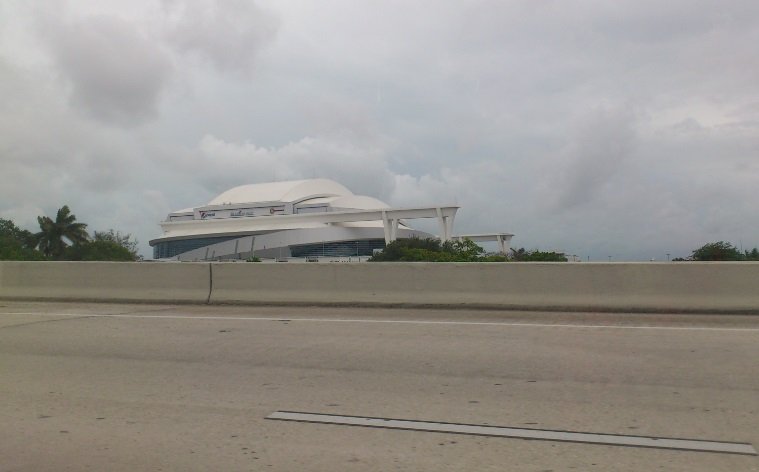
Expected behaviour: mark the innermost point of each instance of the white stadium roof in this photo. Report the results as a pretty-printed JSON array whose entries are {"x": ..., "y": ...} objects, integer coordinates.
[{"x": 290, "y": 191}]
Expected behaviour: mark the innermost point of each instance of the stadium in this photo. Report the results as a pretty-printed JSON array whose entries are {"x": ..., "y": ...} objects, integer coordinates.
[{"x": 296, "y": 220}]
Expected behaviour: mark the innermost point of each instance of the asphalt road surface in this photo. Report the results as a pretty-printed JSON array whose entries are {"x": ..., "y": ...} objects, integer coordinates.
[{"x": 156, "y": 387}]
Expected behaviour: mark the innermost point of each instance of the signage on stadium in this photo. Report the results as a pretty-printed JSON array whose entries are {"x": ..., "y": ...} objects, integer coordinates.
[{"x": 239, "y": 213}]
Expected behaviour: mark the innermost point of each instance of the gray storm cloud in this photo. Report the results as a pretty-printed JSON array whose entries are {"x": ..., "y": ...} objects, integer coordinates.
[
  {"x": 116, "y": 73},
  {"x": 364, "y": 166},
  {"x": 597, "y": 151},
  {"x": 227, "y": 33}
]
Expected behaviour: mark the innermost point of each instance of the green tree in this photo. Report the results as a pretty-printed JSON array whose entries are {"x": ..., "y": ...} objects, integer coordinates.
[
  {"x": 17, "y": 244},
  {"x": 98, "y": 250},
  {"x": 116, "y": 237},
  {"x": 719, "y": 251},
  {"x": 432, "y": 250},
  {"x": 55, "y": 235},
  {"x": 464, "y": 250},
  {"x": 546, "y": 256},
  {"x": 400, "y": 249},
  {"x": 522, "y": 255},
  {"x": 10, "y": 230},
  {"x": 752, "y": 255}
]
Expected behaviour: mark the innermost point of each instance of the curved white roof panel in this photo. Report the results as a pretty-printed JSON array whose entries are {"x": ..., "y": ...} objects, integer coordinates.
[
  {"x": 359, "y": 202},
  {"x": 289, "y": 191},
  {"x": 317, "y": 201}
]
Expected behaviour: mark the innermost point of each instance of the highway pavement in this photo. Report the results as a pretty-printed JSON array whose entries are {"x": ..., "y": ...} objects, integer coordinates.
[{"x": 159, "y": 387}]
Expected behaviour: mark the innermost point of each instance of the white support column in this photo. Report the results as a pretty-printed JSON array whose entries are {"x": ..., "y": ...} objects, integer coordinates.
[
  {"x": 501, "y": 246},
  {"x": 386, "y": 227},
  {"x": 394, "y": 229},
  {"x": 444, "y": 235},
  {"x": 448, "y": 227},
  {"x": 506, "y": 243}
]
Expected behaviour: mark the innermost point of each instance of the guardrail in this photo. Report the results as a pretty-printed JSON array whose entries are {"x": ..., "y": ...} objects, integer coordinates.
[{"x": 634, "y": 287}]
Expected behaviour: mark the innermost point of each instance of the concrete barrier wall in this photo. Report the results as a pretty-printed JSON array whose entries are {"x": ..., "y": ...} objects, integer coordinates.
[
  {"x": 592, "y": 286},
  {"x": 655, "y": 287},
  {"x": 105, "y": 281}
]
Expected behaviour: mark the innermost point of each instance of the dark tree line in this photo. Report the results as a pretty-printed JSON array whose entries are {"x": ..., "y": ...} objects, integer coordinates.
[
  {"x": 721, "y": 251},
  {"x": 433, "y": 250},
  {"x": 522, "y": 255},
  {"x": 64, "y": 239}
]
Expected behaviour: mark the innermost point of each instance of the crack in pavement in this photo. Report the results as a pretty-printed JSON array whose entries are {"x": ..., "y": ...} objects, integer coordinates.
[
  {"x": 91, "y": 315},
  {"x": 134, "y": 312},
  {"x": 68, "y": 318}
]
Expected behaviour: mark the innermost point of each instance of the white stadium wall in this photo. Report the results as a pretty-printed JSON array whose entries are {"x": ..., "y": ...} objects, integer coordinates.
[{"x": 278, "y": 244}]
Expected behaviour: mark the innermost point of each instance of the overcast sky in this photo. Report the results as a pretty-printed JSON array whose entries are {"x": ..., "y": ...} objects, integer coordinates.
[{"x": 602, "y": 128}]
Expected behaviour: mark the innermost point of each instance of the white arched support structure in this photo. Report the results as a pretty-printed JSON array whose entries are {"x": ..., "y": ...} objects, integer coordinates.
[
  {"x": 503, "y": 239},
  {"x": 390, "y": 217},
  {"x": 445, "y": 221},
  {"x": 444, "y": 215}
]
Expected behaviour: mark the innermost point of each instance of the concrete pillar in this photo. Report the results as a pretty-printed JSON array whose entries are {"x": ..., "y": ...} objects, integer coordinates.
[
  {"x": 448, "y": 227},
  {"x": 444, "y": 234},
  {"x": 386, "y": 227},
  {"x": 505, "y": 243}
]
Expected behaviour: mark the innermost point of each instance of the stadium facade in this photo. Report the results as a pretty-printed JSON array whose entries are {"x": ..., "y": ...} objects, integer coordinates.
[{"x": 300, "y": 219}]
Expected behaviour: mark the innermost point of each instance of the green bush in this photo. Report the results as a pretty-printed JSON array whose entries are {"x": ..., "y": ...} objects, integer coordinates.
[
  {"x": 522, "y": 255},
  {"x": 432, "y": 250},
  {"x": 17, "y": 244},
  {"x": 98, "y": 251}
]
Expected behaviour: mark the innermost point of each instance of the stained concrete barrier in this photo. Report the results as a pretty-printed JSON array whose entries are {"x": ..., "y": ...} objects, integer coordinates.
[
  {"x": 105, "y": 281},
  {"x": 646, "y": 287},
  {"x": 634, "y": 287}
]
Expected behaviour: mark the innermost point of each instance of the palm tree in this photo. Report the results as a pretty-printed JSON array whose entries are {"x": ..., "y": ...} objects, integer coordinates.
[{"x": 51, "y": 239}]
